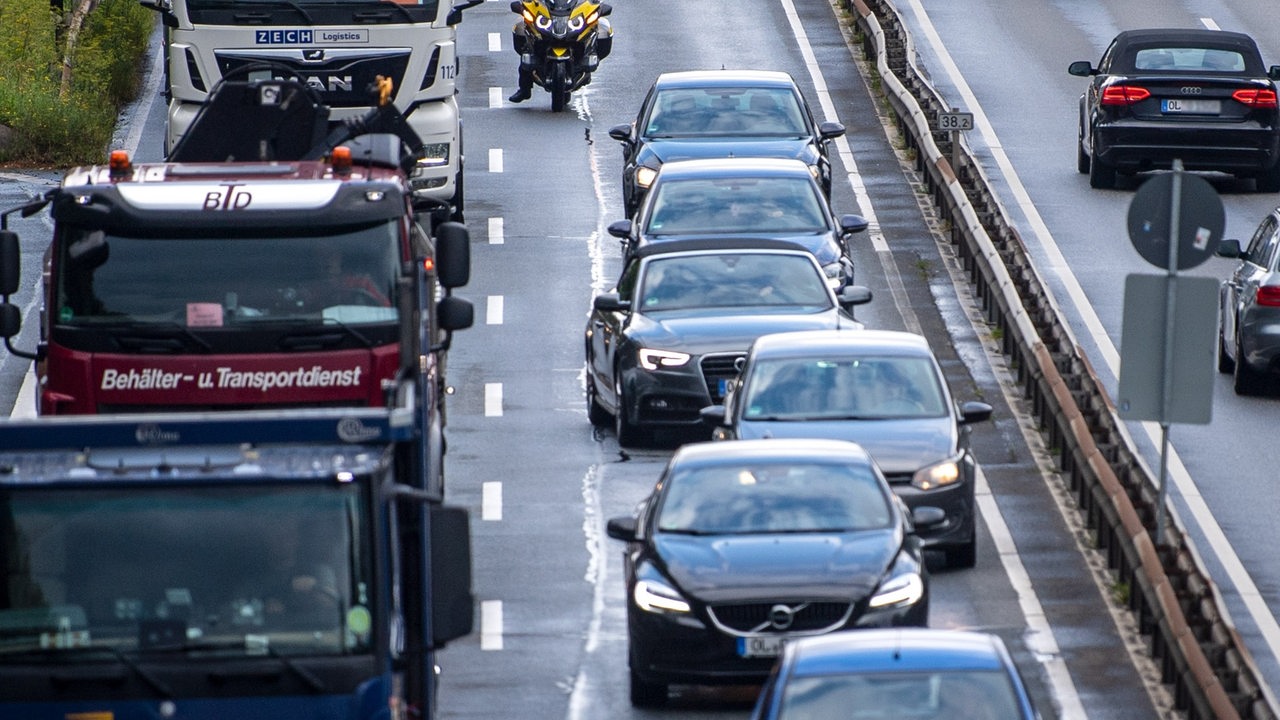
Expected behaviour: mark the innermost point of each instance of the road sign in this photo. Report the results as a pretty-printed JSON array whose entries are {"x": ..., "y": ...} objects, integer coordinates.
[
  {"x": 1141, "y": 395},
  {"x": 955, "y": 121},
  {"x": 1200, "y": 220}
]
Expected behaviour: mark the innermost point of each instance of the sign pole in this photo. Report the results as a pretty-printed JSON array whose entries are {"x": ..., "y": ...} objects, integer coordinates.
[{"x": 1170, "y": 326}]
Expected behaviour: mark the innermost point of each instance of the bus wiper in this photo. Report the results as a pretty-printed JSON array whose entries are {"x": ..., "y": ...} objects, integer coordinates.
[
  {"x": 152, "y": 681},
  {"x": 313, "y": 682}
]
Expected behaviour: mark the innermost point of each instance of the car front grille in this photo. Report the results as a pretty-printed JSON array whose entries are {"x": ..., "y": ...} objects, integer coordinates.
[
  {"x": 717, "y": 367},
  {"x": 757, "y": 618}
]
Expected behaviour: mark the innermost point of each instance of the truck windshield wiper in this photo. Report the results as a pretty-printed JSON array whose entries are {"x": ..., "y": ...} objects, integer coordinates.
[
  {"x": 313, "y": 682},
  {"x": 286, "y": 3},
  {"x": 153, "y": 335},
  {"x": 152, "y": 681},
  {"x": 312, "y": 340}
]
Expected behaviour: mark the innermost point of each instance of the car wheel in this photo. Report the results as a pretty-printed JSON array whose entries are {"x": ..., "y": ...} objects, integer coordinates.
[
  {"x": 1101, "y": 176},
  {"x": 597, "y": 415},
  {"x": 645, "y": 694},
  {"x": 964, "y": 556},
  {"x": 1269, "y": 180},
  {"x": 1225, "y": 363},
  {"x": 629, "y": 434},
  {"x": 1247, "y": 380},
  {"x": 1082, "y": 158}
]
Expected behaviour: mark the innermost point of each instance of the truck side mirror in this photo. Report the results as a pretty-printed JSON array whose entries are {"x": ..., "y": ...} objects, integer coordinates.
[
  {"x": 455, "y": 314},
  {"x": 453, "y": 605},
  {"x": 10, "y": 321},
  {"x": 10, "y": 262},
  {"x": 453, "y": 254}
]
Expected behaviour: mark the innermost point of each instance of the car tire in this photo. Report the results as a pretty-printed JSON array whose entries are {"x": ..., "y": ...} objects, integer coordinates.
[
  {"x": 1247, "y": 381},
  {"x": 1082, "y": 159},
  {"x": 597, "y": 415},
  {"x": 645, "y": 694},
  {"x": 963, "y": 556},
  {"x": 1225, "y": 364},
  {"x": 1101, "y": 175},
  {"x": 628, "y": 433},
  {"x": 1269, "y": 180}
]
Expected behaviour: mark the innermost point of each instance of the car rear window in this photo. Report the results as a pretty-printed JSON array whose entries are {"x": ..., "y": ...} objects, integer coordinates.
[{"x": 1189, "y": 59}]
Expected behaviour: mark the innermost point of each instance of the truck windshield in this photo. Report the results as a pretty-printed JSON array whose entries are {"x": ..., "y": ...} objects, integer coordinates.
[
  {"x": 256, "y": 570},
  {"x": 206, "y": 283},
  {"x": 405, "y": 10}
]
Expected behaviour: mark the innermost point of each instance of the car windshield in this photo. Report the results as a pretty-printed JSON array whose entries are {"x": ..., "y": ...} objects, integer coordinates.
[
  {"x": 1189, "y": 59},
  {"x": 248, "y": 569},
  {"x": 953, "y": 695},
  {"x": 725, "y": 111},
  {"x": 770, "y": 205},
  {"x": 865, "y": 388},
  {"x": 793, "y": 497},
  {"x": 346, "y": 276},
  {"x": 790, "y": 282}
]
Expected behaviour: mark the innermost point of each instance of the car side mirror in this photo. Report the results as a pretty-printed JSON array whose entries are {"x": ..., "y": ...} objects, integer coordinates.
[
  {"x": 850, "y": 224},
  {"x": 621, "y": 528},
  {"x": 1273, "y": 72},
  {"x": 1231, "y": 249},
  {"x": 712, "y": 415},
  {"x": 1081, "y": 68},
  {"x": 851, "y": 295},
  {"x": 610, "y": 302},
  {"x": 974, "y": 411},
  {"x": 830, "y": 130},
  {"x": 620, "y": 229},
  {"x": 927, "y": 516},
  {"x": 621, "y": 133},
  {"x": 605, "y": 9}
]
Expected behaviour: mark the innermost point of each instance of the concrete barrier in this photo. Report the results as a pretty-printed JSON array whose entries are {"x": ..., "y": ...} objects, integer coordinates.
[{"x": 1211, "y": 673}]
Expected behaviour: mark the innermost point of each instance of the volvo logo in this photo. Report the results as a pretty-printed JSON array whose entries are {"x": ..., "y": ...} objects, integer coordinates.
[
  {"x": 1191, "y": 90},
  {"x": 781, "y": 617}
]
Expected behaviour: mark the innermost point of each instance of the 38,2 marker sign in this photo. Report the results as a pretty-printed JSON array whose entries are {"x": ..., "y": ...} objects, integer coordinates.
[{"x": 955, "y": 121}]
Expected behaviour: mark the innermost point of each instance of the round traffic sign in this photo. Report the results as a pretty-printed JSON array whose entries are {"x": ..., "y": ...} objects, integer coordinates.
[{"x": 1200, "y": 223}]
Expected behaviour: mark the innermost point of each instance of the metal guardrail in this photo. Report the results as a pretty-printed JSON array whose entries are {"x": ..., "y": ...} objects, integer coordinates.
[{"x": 1176, "y": 605}]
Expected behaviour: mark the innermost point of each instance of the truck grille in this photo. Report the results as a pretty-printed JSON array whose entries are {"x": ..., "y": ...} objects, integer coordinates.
[{"x": 343, "y": 81}]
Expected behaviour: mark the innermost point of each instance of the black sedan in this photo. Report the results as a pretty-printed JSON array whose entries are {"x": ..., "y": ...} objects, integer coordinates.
[
  {"x": 1249, "y": 309},
  {"x": 718, "y": 113},
  {"x": 728, "y": 197},
  {"x": 666, "y": 341},
  {"x": 1203, "y": 97},
  {"x": 742, "y": 546},
  {"x": 880, "y": 388}
]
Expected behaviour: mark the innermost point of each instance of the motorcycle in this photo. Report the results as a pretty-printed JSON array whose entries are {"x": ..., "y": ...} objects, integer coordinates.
[{"x": 560, "y": 42}]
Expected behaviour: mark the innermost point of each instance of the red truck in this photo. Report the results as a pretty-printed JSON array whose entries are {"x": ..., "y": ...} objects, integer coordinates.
[{"x": 269, "y": 263}]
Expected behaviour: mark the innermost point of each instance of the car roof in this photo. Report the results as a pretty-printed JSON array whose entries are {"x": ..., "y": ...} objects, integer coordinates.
[
  {"x": 735, "y": 167},
  {"x": 719, "y": 244},
  {"x": 1194, "y": 36},
  {"x": 807, "y": 343},
  {"x": 724, "y": 78},
  {"x": 773, "y": 449},
  {"x": 897, "y": 650}
]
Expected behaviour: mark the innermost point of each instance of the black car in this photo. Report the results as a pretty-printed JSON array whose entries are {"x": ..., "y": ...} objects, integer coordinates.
[
  {"x": 666, "y": 341},
  {"x": 882, "y": 389},
  {"x": 1249, "y": 309},
  {"x": 742, "y": 546},
  {"x": 1203, "y": 97},
  {"x": 718, "y": 113},
  {"x": 728, "y": 197}
]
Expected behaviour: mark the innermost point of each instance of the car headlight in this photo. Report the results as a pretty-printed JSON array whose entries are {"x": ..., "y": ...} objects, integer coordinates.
[
  {"x": 434, "y": 155},
  {"x": 653, "y": 359},
  {"x": 645, "y": 176},
  {"x": 905, "y": 589},
  {"x": 658, "y": 597},
  {"x": 938, "y": 475}
]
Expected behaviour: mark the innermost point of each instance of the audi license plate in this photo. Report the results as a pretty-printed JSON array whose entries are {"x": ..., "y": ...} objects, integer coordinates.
[
  {"x": 722, "y": 386},
  {"x": 1184, "y": 106},
  {"x": 766, "y": 646}
]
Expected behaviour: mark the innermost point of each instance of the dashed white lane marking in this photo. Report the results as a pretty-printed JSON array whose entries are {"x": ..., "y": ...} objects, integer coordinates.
[
  {"x": 495, "y": 160},
  {"x": 495, "y": 42},
  {"x": 493, "y": 311},
  {"x": 1209, "y": 23},
  {"x": 491, "y": 501},
  {"x": 495, "y": 97},
  {"x": 496, "y": 230},
  {"x": 491, "y": 625},
  {"x": 493, "y": 399}
]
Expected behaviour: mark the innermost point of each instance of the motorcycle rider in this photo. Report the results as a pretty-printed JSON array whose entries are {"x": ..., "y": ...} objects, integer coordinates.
[{"x": 525, "y": 46}]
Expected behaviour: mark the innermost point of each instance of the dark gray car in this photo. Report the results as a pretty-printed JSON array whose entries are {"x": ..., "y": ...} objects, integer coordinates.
[
  {"x": 1249, "y": 309},
  {"x": 882, "y": 389}
]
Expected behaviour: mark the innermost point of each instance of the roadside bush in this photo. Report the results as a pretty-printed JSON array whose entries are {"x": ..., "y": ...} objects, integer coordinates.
[{"x": 46, "y": 130}]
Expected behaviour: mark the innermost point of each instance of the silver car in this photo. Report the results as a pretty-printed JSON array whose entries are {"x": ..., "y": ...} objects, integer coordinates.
[{"x": 1249, "y": 309}]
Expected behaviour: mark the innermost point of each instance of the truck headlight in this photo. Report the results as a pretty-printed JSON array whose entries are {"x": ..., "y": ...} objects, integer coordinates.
[{"x": 435, "y": 155}]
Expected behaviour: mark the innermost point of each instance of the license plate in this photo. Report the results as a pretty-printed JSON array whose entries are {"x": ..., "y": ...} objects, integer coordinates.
[
  {"x": 722, "y": 387},
  {"x": 766, "y": 646},
  {"x": 1183, "y": 106}
]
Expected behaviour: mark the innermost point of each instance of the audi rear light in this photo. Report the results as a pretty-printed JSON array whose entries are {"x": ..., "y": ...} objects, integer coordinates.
[
  {"x": 1124, "y": 94},
  {"x": 1255, "y": 98},
  {"x": 1269, "y": 295}
]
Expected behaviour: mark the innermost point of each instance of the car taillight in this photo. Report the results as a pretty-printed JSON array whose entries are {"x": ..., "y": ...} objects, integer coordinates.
[
  {"x": 1265, "y": 99},
  {"x": 1124, "y": 94},
  {"x": 1269, "y": 295}
]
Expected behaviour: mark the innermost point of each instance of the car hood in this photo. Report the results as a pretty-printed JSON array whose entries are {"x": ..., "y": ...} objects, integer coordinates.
[
  {"x": 664, "y": 150},
  {"x": 822, "y": 245},
  {"x": 899, "y": 446},
  {"x": 762, "y": 567},
  {"x": 711, "y": 330}
]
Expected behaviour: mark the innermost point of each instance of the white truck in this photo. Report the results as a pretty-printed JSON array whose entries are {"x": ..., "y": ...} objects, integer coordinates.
[{"x": 337, "y": 47}]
